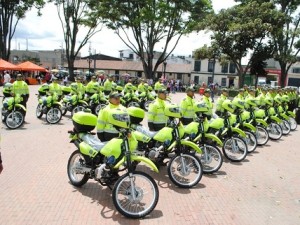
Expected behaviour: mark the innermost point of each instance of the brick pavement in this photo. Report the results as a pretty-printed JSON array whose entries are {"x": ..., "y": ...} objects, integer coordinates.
[{"x": 34, "y": 187}]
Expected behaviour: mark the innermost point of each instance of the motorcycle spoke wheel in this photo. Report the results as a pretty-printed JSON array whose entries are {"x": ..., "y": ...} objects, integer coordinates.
[
  {"x": 14, "y": 119},
  {"x": 53, "y": 115},
  {"x": 286, "y": 127},
  {"x": 185, "y": 170},
  {"x": 235, "y": 149},
  {"x": 75, "y": 171},
  {"x": 211, "y": 158},
  {"x": 77, "y": 108},
  {"x": 39, "y": 111},
  {"x": 135, "y": 195},
  {"x": 262, "y": 135},
  {"x": 275, "y": 131},
  {"x": 135, "y": 104},
  {"x": 98, "y": 108},
  {"x": 293, "y": 123},
  {"x": 146, "y": 105},
  {"x": 251, "y": 141}
]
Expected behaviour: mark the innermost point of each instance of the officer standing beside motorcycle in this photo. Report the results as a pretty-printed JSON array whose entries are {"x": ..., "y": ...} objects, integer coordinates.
[
  {"x": 91, "y": 87},
  {"x": 78, "y": 88},
  {"x": 109, "y": 84},
  {"x": 206, "y": 99},
  {"x": 105, "y": 130},
  {"x": 187, "y": 107},
  {"x": 141, "y": 87},
  {"x": 222, "y": 98},
  {"x": 156, "y": 115},
  {"x": 20, "y": 87},
  {"x": 55, "y": 88}
]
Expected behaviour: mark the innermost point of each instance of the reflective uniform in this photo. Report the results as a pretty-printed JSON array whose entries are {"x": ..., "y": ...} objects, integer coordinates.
[
  {"x": 90, "y": 88},
  {"x": 141, "y": 88},
  {"x": 158, "y": 86},
  {"x": 108, "y": 86},
  {"x": 219, "y": 109},
  {"x": 21, "y": 88},
  {"x": 156, "y": 115},
  {"x": 55, "y": 89},
  {"x": 209, "y": 105},
  {"x": 105, "y": 130},
  {"x": 187, "y": 110},
  {"x": 80, "y": 91}
]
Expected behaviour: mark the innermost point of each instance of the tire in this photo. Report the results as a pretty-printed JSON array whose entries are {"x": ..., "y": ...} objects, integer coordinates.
[
  {"x": 211, "y": 158},
  {"x": 98, "y": 108},
  {"x": 235, "y": 149},
  {"x": 146, "y": 194},
  {"x": 53, "y": 115},
  {"x": 146, "y": 105},
  {"x": 64, "y": 109},
  {"x": 77, "y": 178},
  {"x": 39, "y": 111},
  {"x": 185, "y": 170},
  {"x": 293, "y": 123},
  {"x": 14, "y": 119},
  {"x": 135, "y": 104},
  {"x": 286, "y": 127},
  {"x": 77, "y": 108},
  {"x": 262, "y": 135},
  {"x": 275, "y": 131},
  {"x": 251, "y": 141}
]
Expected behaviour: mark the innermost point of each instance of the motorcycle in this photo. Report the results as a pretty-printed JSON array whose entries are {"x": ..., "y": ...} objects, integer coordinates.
[
  {"x": 135, "y": 194},
  {"x": 13, "y": 113},
  {"x": 73, "y": 104},
  {"x": 145, "y": 98},
  {"x": 184, "y": 168},
  {"x": 196, "y": 131},
  {"x": 51, "y": 107},
  {"x": 130, "y": 99},
  {"x": 97, "y": 102}
]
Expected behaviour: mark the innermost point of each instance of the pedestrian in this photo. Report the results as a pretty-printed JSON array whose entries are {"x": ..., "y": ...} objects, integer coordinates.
[{"x": 6, "y": 77}]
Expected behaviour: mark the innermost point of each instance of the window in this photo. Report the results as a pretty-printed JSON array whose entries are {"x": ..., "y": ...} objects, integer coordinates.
[
  {"x": 117, "y": 71},
  {"x": 130, "y": 56},
  {"x": 197, "y": 65},
  {"x": 231, "y": 68},
  {"x": 223, "y": 82},
  {"x": 139, "y": 73},
  {"x": 224, "y": 68},
  {"x": 296, "y": 70},
  {"x": 210, "y": 66},
  {"x": 179, "y": 76}
]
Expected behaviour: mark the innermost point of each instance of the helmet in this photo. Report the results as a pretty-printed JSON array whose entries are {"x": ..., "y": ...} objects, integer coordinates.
[
  {"x": 7, "y": 89},
  {"x": 118, "y": 118},
  {"x": 172, "y": 110},
  {"x": 251, "y": 102},
  {"x": 227, "y": 105},
  {"x": 201, "y": 107},
  {"x": 136, "y": 114},
  {"x": 269, "y": 101},
  {"x": 74, "y": 87},
  {"x": 238, "y": 103}
]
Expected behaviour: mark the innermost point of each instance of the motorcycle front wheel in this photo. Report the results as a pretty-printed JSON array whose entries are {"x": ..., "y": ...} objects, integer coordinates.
[
  {"x": 77, "y": 108},
  {"x": 146, "y": 105},
  {"x": 75, "y": 169},
  {"x": 185, "y": 170},
  {"x": 135, "y": 194},
  {"x": 275, "y": 131},
  {"x": 251, "y": 141},
  {"x": 133, "y": 103},
  {"x": 53, "y": 115},
  {"x": 211, "y": 158},
  {"x": 98, "y": 108},
  {"x": 235, "y": 149},
  {"x": 14, "y": 119},
  {"x": 293, "y": 123},
  {"x": 286, "y": 127},
  {"x": 262, "y": 135},
  {"x": 39, "y": 111}
]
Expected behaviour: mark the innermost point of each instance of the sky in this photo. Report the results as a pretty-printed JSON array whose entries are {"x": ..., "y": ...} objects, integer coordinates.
[{"x": 45, "y": 33}]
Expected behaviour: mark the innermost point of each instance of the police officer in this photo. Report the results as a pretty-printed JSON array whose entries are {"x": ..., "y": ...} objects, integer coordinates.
[
  {"x": 206, "y": 99},
  {"x": 156, "y": 115},
  {"x": 106, "y": 131},
  {"x": 222, "y": 98},
  {"x": 92, "y": 87},
  {"x": 159, "y": 85},
  {"x": 79, "y": 88},
  {"x": 109, "y": 84},
  {"x": 20, "y": 87},
  {"x": 187, "y": 106},
  {"x": 55, "y": 88}
]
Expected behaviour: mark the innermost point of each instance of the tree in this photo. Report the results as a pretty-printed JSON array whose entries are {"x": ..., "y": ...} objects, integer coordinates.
[
  {"x": 142, "y": 25},
  {"x": 74, "y": 15},
  {"x": 241, "y": 29},
  {"x": 11, "y": 11},
  {"x": 286, "y": 35}
]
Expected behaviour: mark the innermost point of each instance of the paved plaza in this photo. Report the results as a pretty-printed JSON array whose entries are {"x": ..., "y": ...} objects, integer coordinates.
[{"x": 34, "y": 186}]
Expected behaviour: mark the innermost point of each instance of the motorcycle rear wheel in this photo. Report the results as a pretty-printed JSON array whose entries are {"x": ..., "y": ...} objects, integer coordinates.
[
  {"x": 211, "y": 158},
  {"x": 185, "y": 170},
  {"x": 235, "y": 149},
  {"x": 77, "y": 108},
  {"x": 135, "y": 195},
  {"x": 275, "y": 131},
  {"x": 146, "y": 105},
  {"x": 53, "y": 115},
  {"x": 262, "y": 135},
  {"x": 98, "y": 108},
  {"x": 14, "y": 119},
  {"x": 286, "y": 127},
  {"x": 251, "y": 141},
  {"x": 39, "y": 111},
  {"x": 293, "y": 123},
  {"x": 133, "y": 103},
  {"x": 77, "y": 178}
]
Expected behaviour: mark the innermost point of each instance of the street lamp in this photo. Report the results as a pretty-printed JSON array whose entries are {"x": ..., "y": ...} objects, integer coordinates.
[{"x": 165, "y": 66}]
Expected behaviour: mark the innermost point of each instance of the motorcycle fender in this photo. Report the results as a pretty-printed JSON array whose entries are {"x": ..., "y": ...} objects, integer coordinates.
[
  {"x": 83, "y": 102},
  {"x": 291, "y": 114},
  {"x": 276, "y": 119},
  {"x": 284, "y": 116},
  {"x": 187, "y": 143},
  {"x": 250, "y": 126},
  {"x": 139, "y": 159},
  {"x": 214, "y": 138},
  {"x": 21, "y": 106},
  {"x": 58, "y": 103},
  {"x": 261, "y": 121},
  {"x": 239, "y": 132}
]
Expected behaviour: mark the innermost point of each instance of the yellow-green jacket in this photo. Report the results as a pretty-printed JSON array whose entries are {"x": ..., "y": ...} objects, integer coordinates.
[
  {"x": 187, "y": 107},
  {"x": 209, "y": 104},
  {"x": 20, "y": 88},
  {"x": 156, "y": 114}
]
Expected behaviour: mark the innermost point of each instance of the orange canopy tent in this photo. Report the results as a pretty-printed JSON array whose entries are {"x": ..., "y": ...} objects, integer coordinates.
[
  {"x": 4, "y": 65},
  {"x": 29, "y": 66}
]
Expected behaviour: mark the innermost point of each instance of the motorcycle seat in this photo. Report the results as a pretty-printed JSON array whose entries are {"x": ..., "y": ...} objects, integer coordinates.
[{"x": 93, "y": 141}]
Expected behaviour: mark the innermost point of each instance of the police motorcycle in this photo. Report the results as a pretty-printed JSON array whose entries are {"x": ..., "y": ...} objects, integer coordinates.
[
  {"x": 234, "y": 147},
  {"x": 255, "y": 116},
  {"x": 130, "y": 98},
  {"x": 96, "y": 101},
  {"x": 113, "y": 164},
  {"x": 239, "y": 120},
  {"x": 145, "y": 98},
  {"x": 280, "y": 112},
  {"x": 274, "y": 129},
  {"x": 184, "y": 168},
  {"x": 197, "y": 132},
  {"x": 13, "y": 113},
  {"x": 72, "y": 102},
  {"x": 49, "y": 105},
  {"x": 288, "y": 115}
]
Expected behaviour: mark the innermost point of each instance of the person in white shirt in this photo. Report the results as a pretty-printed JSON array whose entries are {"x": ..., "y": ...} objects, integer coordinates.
[{"x": 6, "y": 77}]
